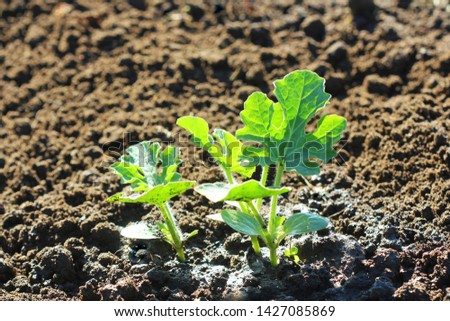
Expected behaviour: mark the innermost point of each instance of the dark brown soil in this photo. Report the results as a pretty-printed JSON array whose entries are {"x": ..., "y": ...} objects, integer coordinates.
[{"x": 82, "y": 79}]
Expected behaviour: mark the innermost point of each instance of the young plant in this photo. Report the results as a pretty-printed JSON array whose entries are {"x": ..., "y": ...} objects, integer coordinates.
[
  {"x": 279, "y": 130},
  {"x": 153, "y": 179},
  {"x": 292, "y": 253}
]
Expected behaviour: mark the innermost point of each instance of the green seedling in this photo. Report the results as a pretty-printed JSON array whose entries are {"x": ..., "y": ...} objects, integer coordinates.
[
  {"x": 275, "y": 135},
  {"x": 292, "y": 253},
  {"x": 153, "y": 179}
]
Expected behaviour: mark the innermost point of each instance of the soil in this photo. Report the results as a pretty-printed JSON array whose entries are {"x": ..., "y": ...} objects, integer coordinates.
[{"x": 81, "y": 80}]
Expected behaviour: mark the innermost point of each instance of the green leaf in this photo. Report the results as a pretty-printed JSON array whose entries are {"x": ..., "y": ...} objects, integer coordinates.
[
  {"x": 231, "y": 153},
  {"x": 192, "y": 234},
  {"x": 301, "y": 93},
  {"x": 198, "y": 128},
  {"x": 247, "y": 191},
  {"x": 302, "y": 223},
  {"x": 130, "y": 174},
  {"x": 280, "y": 127},
  {"x": 242, "y": 223},
  {"x": 262, "y": 118},
  {"x": 292, "y": 253},
  {"x": 227, "y": 152},
  {"x": 151, "y": 173},
  {"x": 155, "y": 195}
]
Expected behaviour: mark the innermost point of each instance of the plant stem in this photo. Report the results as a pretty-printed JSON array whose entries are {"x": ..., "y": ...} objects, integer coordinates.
[
  {"x": 273, "y": 255},
  {"x": 174, "y": 231},
  {"x": 230, "y": 179},
  {"x": 263, "y": 180},
  {"x": 274, "y": 202},
  {"x": 255, "y": 244},
  {"x": 228, "y": 175},
  {"x": 255, "y": 212}
]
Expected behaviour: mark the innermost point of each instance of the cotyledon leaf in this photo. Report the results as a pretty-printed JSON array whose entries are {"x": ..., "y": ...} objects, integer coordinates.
[
  {"x": 301, "y": 223},
  {"x": 247, "y": 191},
  {"x": 141, "y": 231},
  {"x": 242, "y": 223},
  {"x": 156, "y": 195}
]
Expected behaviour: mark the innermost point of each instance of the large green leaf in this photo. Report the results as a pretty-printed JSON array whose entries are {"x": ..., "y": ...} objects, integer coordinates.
[
  {"x": 242, "y": 223},
  {"x": 302, "y": 223},
  {"x": 280, "y": 127},
  {"x": 155, "y": 195},
  {"x": 247, "y": 191},
  {"x": 198, "y": 128}
]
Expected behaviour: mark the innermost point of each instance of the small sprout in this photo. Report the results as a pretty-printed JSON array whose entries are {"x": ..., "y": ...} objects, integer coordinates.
[
  {"x": 292, "y": 253},
  {"x": 153, "y": 179},
  {"x": 274, "y": 134}
]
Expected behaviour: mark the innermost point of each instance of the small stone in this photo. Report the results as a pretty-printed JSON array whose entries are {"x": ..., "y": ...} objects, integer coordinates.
[
  {"x": 398, "y": 61},
  {"x": 234, "y": 243},
  {"x": 41, "y": 169}
]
